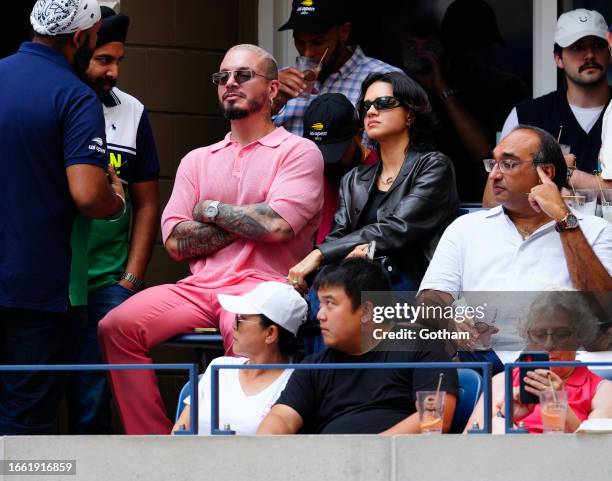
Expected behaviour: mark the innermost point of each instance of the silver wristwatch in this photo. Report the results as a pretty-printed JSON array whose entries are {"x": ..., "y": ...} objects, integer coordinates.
[
  {"x": 212, "y": 210},
  {"x": 128, "y": 276}
]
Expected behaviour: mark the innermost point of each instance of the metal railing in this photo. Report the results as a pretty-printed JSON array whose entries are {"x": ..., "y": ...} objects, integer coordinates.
[
  {"x": 484, "y": 366},
  {"x": 192, "y": 368}
]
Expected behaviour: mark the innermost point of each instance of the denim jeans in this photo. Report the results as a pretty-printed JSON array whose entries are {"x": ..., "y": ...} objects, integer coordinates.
[
  {"x": 88, "y": 394},
  {"x": 29, "y": 400}
]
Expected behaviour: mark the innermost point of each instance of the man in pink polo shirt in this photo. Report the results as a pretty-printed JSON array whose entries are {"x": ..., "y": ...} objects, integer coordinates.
[{"x": 243, "y": 211}]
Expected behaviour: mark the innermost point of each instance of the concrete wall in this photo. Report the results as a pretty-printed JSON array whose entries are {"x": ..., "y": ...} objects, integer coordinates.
[
  {"x": 320, "y": 458},
  {"x": 173, "y": 48}
]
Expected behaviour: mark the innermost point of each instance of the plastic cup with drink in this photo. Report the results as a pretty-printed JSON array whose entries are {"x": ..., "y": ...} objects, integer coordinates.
[
  {"x": 430, "y": 405},
  {"x": 582, "y": 200},
  {"x": 606, "y": 204},
  {"x": 553, "y": 409},
  {"x": 311, "y": 69}
]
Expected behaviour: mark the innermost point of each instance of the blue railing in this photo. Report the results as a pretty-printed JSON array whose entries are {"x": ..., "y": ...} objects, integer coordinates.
[
  {"x": 533, "y": 365},
  {"x": 484, "y": 366},
  {"x": 192, "y": 368}
]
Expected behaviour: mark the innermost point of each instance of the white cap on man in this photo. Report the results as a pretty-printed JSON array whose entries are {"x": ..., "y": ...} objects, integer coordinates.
[
  {"x": 276, "y": 300},
  {"x": 579, "y": 23}
]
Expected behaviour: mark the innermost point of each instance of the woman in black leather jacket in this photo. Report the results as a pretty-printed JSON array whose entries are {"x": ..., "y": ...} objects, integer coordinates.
[{"x": 403, "y": 202}]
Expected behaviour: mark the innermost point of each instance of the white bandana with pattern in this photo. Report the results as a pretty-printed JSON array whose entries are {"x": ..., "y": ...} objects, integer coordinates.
[{"x": 56, "y": 17}]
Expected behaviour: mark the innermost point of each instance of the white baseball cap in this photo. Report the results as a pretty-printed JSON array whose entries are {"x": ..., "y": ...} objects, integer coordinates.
[
  {"x": 276, "y": 300},
  {"x": 579, "y": 23}
]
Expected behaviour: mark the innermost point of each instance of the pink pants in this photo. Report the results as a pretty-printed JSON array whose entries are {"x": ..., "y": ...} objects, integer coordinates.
[{"x": 149, "y": 318}]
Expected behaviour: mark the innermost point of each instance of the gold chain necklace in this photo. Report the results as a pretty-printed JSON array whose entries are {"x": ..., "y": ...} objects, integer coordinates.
[{"x": 527, "y": 233}]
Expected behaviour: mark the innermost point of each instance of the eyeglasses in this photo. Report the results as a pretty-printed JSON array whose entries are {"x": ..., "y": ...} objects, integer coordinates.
[
  {"x": 559, "y": 336},
  {"x": 505, "y": 165},
  {"x": 380, "y": 103},
  {"x": 240, "y": 76},
  {"x": 239, "y": 320}
]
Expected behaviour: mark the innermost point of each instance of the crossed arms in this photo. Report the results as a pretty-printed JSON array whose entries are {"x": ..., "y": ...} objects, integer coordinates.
[{"x": 204, "y": 236}]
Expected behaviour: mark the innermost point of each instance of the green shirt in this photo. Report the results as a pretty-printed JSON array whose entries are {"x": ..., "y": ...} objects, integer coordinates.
[
  {"x": 107, "y": 249},
  {"x": 77, "y": 290}
]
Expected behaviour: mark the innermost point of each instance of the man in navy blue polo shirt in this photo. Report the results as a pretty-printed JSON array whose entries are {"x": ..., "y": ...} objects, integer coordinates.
[{"x": 53, "y": 148}]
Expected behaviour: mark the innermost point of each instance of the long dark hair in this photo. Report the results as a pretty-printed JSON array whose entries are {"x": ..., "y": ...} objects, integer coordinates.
[{"x": 412, "y": 97}]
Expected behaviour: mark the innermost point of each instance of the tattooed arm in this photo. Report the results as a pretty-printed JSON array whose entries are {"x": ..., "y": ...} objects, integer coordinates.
[
  {"x": 195, "y": 239},
  {"x": 257, "y": 222}
]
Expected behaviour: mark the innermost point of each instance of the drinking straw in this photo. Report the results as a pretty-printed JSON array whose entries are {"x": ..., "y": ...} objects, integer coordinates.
[
  {"x": 603, "y": 199},
  {"x": 439, "y": 385},
  {"x": 572, "y": 186},
  {"x": 322, "y": 58},
  {"x": 552, "y": 388}
]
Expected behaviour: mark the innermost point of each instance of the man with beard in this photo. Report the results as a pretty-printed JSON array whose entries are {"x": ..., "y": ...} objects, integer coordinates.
[
  {"x": 321, "y": 29},
  {"x": 110, "y": 257},
  {"x": 53, "y": 146},
  {"x": 572, "y": 115},
  {"x": 242, "y": 211}
]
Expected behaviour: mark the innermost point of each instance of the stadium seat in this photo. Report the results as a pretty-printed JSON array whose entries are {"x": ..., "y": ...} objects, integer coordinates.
[
  {"x": 185, "y": 391},
  {"x": 605, "y": 372},
  {"x": 206, "y": 346},
  {"x": 468, "y": 208},
  {"x": 470, "y": 388}
]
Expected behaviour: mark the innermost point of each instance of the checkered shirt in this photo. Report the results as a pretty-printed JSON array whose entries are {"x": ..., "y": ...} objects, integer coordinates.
[{"x": 346, "y": 81}]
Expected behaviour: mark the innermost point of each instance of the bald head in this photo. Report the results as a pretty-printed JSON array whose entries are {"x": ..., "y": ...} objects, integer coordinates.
[{"x": 267, "y": 64}]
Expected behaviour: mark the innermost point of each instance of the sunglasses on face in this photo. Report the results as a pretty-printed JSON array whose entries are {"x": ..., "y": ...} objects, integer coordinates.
[
  {"x": 380, "y": 103},
  {"x": 239, "y": 320},
  {"x": 240, "y": 76}
]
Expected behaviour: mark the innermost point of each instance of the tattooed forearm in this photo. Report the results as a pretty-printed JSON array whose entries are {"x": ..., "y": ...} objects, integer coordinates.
[
  {"x": 257, "y": 222},
  {"x": 195, "y": 239}
]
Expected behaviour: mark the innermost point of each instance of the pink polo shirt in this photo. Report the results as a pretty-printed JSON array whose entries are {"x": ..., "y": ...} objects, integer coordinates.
[{"x": 281, "y": 170}]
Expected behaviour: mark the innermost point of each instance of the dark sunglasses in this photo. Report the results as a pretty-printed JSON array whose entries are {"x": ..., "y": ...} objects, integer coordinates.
[
  {"x": 240, "y": 76},
  {"x": 380, "y": 103}
]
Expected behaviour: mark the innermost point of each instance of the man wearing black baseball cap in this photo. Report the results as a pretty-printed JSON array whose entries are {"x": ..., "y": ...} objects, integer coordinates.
[
  {"x": 331, "y": 122},
  {"x": 321, "y": 30},
  {"x": 109, "y": 261}
]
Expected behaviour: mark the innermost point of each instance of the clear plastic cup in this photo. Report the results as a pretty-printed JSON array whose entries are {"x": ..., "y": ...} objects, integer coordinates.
[
  {"x": 485, "y": 326},
  {"x": 582, "y": 200},
  {"x": 553, "y": 409},
  {"x": 606, "y": 204},
  {"x": 430, "y": 405},
  {"x": 311, "y": 70}
]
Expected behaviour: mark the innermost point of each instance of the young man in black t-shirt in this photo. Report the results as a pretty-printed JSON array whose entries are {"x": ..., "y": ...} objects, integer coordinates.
[{"x": 359, "y": 401}]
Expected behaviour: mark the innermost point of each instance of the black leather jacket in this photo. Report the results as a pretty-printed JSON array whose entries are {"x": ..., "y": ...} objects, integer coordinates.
[{"x": 420, "y": 204}]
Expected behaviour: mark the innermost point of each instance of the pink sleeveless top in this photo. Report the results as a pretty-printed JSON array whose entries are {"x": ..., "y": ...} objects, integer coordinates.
[{"x": 581, "y": 387}]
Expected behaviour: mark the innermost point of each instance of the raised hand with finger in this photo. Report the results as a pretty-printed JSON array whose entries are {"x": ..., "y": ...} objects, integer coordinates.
[{"x": 546, "y": 197}]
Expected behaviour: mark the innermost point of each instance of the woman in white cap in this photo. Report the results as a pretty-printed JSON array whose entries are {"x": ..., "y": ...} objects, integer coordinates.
[{"x": 267, "y": 321}]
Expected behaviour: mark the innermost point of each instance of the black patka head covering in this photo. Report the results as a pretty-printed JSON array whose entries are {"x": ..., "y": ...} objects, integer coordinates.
[{"x": 114, "y": 27}]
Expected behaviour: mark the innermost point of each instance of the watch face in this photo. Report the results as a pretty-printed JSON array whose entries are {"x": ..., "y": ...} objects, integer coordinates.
[
  {"x": 571, "y": 222},
  {"x": 211, "y": 211}
]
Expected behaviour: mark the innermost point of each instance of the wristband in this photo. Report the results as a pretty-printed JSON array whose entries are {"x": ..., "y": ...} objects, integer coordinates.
[{"x": 116, "y": 217}]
